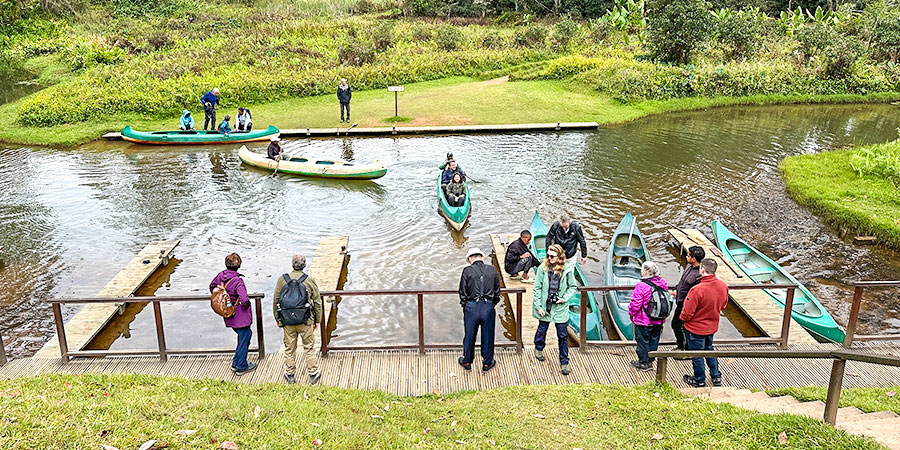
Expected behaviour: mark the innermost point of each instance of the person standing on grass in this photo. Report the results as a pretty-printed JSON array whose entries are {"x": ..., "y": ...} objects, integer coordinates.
[
  {"x": 554, "y": 286},
  {"x": 210, "y": 103},
  {"x": 344, "y": 94},
  {"x": 518, "y": 259},
  {"x": 569, "y": 236},
  {"x": 242, "y": 319},
  {"x": 646, "y": 330},
  {"x": 689, "y": 279},
  {"x": 479, "y": 293},
  {"x": 702, "y": 308},
  {"x": 298, "y": 309}
]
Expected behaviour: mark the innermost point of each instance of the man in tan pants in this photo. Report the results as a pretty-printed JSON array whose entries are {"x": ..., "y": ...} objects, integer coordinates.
[{"x": 286, "y": 312}]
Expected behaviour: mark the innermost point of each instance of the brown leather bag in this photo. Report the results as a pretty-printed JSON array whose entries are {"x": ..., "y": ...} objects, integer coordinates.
[{"x": 221, "y": 302}]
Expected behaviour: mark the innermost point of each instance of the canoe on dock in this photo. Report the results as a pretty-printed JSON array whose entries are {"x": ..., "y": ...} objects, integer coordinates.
[
  {"x": 319, "y": 168},
  {"x": 806, "y": 311},
  {"x": 199, "y": 137},
  {"x": 627, "y": 252},
  {"x": 456, "y": 216}
]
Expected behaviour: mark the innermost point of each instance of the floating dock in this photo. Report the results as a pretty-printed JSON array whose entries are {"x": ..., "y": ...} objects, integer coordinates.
[
  {"x": 447, "y": 129},
  {"x": 92, "y": 317},
  {"x": 328, "y": 265},
  {"x": 529, "y": 323},
  {"x": 756, "y": 304}
]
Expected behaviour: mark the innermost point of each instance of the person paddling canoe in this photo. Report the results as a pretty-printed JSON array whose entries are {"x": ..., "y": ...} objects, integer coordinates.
[{"x": 274, "y": 151}]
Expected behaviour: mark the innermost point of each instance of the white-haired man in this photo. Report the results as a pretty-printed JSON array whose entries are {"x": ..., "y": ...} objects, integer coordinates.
[
  {"x": 210, "y": 103},
  {"x": 298, "y": 310}
]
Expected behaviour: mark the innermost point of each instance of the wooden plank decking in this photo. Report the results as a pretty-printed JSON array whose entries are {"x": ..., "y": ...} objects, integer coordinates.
[
  {"x": 328, "y": 263},
  {"x": 92, "y": 317},
  {"x": 529, "y": 323},
  {"x": 756, "y": 304}
]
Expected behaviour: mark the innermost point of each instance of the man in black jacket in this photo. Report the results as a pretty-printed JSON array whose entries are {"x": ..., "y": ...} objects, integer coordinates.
[
  {"x": 479, "y": 292},
  {"x": 689, "y": 279},
  {"x": 519, "y": 258},
  {"x": 568, "y": 234},
  {"x": 343, "y": 95}
]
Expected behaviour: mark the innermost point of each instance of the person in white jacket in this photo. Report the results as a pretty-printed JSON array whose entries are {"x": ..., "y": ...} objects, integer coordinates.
[{"x": 243, "y": 121}]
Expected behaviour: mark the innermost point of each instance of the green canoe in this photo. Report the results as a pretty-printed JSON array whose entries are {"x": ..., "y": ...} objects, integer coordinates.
[
  {"x": 456, "y": 215},
  {"x": 627, "y": 252},
  {"x": 199, "y": 137},
  {"x": 311, "y": 167},
  {"x": 538, "y": 247},
  {"x": 807, "y": 310}
]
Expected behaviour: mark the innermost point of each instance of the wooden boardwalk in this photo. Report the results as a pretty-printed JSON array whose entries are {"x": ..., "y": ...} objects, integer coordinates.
[
  {"x": 328, "y": 264},
  {"x": 756, "y": 304},
  {"x": 92, "y": 317},
  {"x": 529, "y": 323}
]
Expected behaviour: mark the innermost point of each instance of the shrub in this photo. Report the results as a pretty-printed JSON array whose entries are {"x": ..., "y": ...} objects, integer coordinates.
[
  {"x": 842, "y": 56},
  {"x": 814, "y": 39},
  {"x": 886, "y": 36},
  {"x": 356, "y": 52},
  {"x": 740, "y": 33},
  {"x": 143, "y": 8},
  {"x": 383, "y": 36},
  {"x": 448, "y": 37},
  {"x": 532, "y": 35},
  {"x": 492, "y": 41},
  {"x": 564, "y": 31},
  {"x": 882, "y": 161},
  {"x": 677, "y": 28}
]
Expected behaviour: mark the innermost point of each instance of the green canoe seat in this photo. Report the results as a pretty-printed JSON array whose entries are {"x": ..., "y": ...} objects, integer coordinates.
[
  {"x": 739, "y": 251},
  {"x": 760, "y": 272},
  {"x": 632, "y": 252},
  {"x": 627, "y": 271}
]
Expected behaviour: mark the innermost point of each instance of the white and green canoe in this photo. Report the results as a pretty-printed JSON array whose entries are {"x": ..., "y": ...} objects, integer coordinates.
[{"x": 319, "y": 168}]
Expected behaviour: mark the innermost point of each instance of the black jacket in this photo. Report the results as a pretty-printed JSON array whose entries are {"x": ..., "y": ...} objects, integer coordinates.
[
  {"x": 273, "y": 150},
  {"x": 344, "y": 94},
  {"x": 689, "y": 279},
  {"x": 513, "y": 254},
  {"x": 479, "y": 281},
  {"x": 570, "y": 241}
]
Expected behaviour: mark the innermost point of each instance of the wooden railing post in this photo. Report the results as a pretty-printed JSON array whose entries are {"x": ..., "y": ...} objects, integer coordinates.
[
  {"x": 160, "y": 334},
  {"x": 662, "y": 364},
  {"x": 582, "y": 332},
  {"x": 419, "y": 298},
  {"x": 260, "y": 338},
  {"x": 832, "y": 401},
  {"x": 3, "y": 359},
  {"x": 786, "y": 320},
  {"x": 61, "y": 332},
  {"x": 854, "y": 316},
  {"x": 519, "y": 340},
  {"x": 323, "y": 333}
]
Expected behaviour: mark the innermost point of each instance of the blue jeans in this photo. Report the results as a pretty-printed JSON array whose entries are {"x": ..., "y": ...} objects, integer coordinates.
[
  {"x": 475, "y": 315},
  {"x": 540, "y": 339},
  {"x": 243, "y": 345},
  {"x": 647, "y": 339},
  {"x": 702, "y": 342}
]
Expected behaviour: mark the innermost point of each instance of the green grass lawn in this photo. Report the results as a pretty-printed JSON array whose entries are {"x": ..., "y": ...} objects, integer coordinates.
[
  {"x": 866, "y": 399},
  {"x": 125, "y": 411}
]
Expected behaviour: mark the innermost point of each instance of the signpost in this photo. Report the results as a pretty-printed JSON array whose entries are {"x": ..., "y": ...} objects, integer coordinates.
[{"x": 395, "y": 90}]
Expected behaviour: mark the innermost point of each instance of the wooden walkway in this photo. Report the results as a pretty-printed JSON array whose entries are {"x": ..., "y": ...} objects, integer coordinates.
[
  {"x": 92, "y": 317},
  {"x": 328, "y": 264},
  {"x": 529, "y": 323},
  {"x": 756, "y": 304}
]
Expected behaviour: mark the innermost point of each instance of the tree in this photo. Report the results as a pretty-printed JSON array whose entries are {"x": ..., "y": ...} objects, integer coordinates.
[{"x": 677, "y": 28}]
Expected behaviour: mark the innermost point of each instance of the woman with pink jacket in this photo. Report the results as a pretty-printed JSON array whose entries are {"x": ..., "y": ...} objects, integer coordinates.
[{"x": 646, "y": 330}]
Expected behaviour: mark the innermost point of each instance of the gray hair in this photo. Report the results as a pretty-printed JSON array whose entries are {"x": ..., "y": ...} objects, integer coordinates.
[
  {"x": 649, "y": 269},
  {"x": 564, "y": 218},
  {"x": 298, "y": 261}
]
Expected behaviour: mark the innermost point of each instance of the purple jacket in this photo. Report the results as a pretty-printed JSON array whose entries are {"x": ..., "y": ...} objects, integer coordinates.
[
  {"x": 640, "y": 298},
  {"x": 237, "y": 290}
]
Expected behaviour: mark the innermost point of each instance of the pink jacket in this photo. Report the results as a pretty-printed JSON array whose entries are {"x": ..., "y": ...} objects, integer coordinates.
[{"x": 640, "y": 298}]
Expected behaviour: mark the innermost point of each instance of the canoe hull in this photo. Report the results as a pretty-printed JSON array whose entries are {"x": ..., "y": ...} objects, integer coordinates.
[
  {"x": 315, "y": 168},
  {"x": 456, "y": 216},
  {"x": 198, "y": 138},
  {"x": 627, "y": 252}
]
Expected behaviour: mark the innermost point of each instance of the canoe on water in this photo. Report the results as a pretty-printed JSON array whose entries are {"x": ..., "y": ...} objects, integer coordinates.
[
  {"x": 456, "y": 216},
  {"x": 627, "y": 252},
  {"x": 538, "y": 247},
  {"x": 319, "y": 168},
  {"x": 200, "y": 137},
  {"x": 806, "y": 310}
]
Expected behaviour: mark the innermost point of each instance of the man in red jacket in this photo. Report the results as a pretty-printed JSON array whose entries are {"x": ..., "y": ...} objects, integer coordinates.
[{"x": 701, "y": 312}]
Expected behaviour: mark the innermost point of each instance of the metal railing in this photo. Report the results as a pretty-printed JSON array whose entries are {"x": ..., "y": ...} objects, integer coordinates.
[
  {"x": 420, "y": 303},
  {"x": 162, "y": 351},
  {"x": 853, "y": 320}
]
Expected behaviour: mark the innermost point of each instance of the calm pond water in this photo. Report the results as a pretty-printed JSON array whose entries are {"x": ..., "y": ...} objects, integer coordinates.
[{"x": 70, "y": 219}]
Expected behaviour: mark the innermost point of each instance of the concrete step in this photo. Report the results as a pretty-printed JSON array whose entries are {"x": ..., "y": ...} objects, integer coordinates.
[
  {"x": 776, "y": 405},
  {"x": 728, "y": 392},
  {"x": 847, "y": 413},
  {"x": 743, "y": 401},
  {"x": 815, "y": 410},
  {"x": 892, "y": 424},
  {"x": 871, "y": 416}
]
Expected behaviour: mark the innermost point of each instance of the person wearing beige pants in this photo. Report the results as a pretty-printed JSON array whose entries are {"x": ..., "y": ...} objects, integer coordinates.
[
  {"x": 307, "y": 335},
  {"x": 306, "y": 332}
]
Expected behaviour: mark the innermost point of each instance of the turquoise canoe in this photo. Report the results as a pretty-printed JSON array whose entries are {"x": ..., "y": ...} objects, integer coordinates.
[
  {"x": 456, "y": 216},
  {"x": 199, "y": 137},
  {"x": 538, "y": 247},
  {"x": 627, "y": 252},
  {"x": 806, "y": 310}
]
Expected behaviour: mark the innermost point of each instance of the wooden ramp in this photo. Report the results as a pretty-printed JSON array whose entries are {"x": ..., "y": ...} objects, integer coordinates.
[
  {"x": 529, "y": 323},
  {"x": 756, "y": 304},
  {"x": 92, "y": 317},
  {"x": 328, "y": 264}
]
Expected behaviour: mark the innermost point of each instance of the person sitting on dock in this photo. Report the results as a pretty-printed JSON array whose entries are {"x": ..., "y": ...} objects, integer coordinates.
[
  {"x": 298, "y": 309},
  {"x": 518, "y": 258},
  {"x": 689, "y": 279},
  {"x": 187, "y": 121},
  {"x": 274, "y": 151},
  {"x": 447, "y": 175},
  {"x": 456, "y": 191},
  {"x": 210, "y": 103},
  {"x": 225, "y": 126},
  {"x": 242, "y": 319},
  {"x": 554, "y": 286},
  {"x": 647, "y": 330},
  {"x": 702, "y": 309},
  {"x": 479, "y": 293},
  {"x": 243, "y": 121},
  {"x": 568, "y": 234}
]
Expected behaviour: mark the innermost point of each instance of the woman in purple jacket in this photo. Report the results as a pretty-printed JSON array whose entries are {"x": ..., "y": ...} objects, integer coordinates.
[
  {"x": 242, "y": 319},
  {"x": 646, "y": 330}
]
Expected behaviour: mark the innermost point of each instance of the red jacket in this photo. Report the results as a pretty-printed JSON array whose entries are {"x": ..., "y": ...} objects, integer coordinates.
[{"x": 704, "y": 303}]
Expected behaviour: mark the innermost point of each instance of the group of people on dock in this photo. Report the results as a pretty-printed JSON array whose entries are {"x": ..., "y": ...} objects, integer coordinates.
[{"x": 210, "y": 104}]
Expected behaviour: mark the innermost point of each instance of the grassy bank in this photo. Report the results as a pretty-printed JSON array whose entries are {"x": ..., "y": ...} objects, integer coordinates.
[
  {"x": 866, "y": 399},
  {"x": 125, "y": 411},
  {"x": 853, "y": 190}
]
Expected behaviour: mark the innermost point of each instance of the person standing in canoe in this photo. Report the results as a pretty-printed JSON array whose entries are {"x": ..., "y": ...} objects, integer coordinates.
[
  {"x": 225, "y": 126},
  {"x": 210, "y": 103},
  {"x": 274, "y": 151},
  {"x": 243, "y": 121},
  {"x": 243, "y": 317},
  {"x": 646, "y": 330},
  {"x": 343, "y": 94},
  {"x": 518, "y": 258},
  {"x": 702, "y": 309},
  {"x": 479, "y": 293},
  {"x": 456, "y": 191},
  {"x": 187, "y": 121},
  {"x": 689, "y": 279},
  {"x": 569, "y": 236},
  {"x": 554, "y": 286}
]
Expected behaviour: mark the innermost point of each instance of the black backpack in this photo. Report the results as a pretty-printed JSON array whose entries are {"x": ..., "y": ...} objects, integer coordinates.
[
  {"x": 660, "y": 305},
  {"x": 293, "y": 302}
]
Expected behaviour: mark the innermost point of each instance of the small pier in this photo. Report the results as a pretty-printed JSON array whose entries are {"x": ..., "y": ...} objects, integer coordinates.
[
  {"x": 91, "y": 318},
  {"x": 328, "y": 267},
  {"x": 756, "y": 304},
  {"x": 529, "y": 323}
]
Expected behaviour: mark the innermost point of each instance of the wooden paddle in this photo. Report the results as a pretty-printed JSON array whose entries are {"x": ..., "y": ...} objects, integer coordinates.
[
  {"x": 347, "y": 131},
  {"x": 715, "y": 251}
]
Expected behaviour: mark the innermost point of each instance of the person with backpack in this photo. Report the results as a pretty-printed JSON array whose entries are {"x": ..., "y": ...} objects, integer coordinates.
[
  {"x": 650, "y": 304},
  {"x": 554, "y": 286},
  {"x": 479, "y": 293},
  {"x": 298, "y": 310},
  {"x": 235, "y": 294}
]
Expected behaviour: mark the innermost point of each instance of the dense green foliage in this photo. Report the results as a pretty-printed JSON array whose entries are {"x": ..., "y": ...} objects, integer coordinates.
[
  {"x": 866, "y": 399},
  {"x": 676, "y": 29}
]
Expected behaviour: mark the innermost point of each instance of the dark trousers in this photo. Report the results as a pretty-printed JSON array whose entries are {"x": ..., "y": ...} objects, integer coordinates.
[
  {"x": 523, "y": 265},
  {"x": 479, "y": 314},
  {"x": 210, "y": 120},
  {"x": 540, "y": 339},
  {"x": 244, "y": 129},
  {"x": 345, "y": 106},
  {"x": 453, "y": 200},
  {"x": 647, "y": 339},
  {"x": 243, "y": 345},
  {"x": 678, "y": 327},
  {"x": 702, "y": 342}
]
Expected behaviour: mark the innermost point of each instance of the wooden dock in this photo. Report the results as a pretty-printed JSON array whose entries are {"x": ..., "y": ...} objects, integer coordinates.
[
  {"x": 91, "y": 318},
  {"x": 529, "y": 323},
  {"x": 756, "y": 304},
  {"x": 327, "y": 267}
]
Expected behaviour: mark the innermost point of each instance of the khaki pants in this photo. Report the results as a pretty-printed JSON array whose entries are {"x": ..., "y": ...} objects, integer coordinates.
[{"x": 307, "y": 335}]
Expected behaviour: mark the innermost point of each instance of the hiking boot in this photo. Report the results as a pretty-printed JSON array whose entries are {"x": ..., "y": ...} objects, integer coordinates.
[
  {"x": 250, "y": 368},
  {"x": 717, "y": 381},
  {"x": 564, "y": 369},
  {"x": 486, "y": 367},
  {"x": 690, "y": 381},
  {"x": 314, "y": 378},
  {"x": 289, "y": 377},
  {"x": 515, "y": 277},
  {"x": 642, "y": 367},
  {"x": 539, "y": 355},
  {"x": 465, "y": 365},
  {"x": 233, "y": 369}
]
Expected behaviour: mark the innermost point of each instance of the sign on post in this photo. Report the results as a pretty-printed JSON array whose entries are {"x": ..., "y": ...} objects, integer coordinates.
[{"x": 395, "y": 90}]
